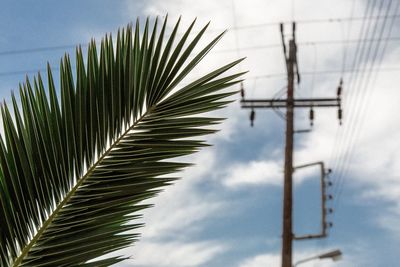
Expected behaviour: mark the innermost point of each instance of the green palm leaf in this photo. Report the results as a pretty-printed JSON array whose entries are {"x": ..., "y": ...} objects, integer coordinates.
[{"x": 75, "y": 168}]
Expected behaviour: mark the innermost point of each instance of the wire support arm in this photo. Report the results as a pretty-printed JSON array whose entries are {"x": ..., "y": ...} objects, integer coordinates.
[{"x": 297, "y": 103}]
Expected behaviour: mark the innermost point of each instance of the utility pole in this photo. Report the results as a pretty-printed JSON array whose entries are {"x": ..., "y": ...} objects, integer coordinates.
[
  {"x": 290, "y": 103},
  {"x": 287, "y": 235}
]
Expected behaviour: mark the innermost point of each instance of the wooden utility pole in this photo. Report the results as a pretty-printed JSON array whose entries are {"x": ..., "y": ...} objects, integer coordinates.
[
  {"x": 290, "y": 103},
  {"x": 287, "y": 235}
]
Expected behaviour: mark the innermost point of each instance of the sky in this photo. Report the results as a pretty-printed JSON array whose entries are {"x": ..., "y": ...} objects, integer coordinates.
[{"x": 227, "y": 209}]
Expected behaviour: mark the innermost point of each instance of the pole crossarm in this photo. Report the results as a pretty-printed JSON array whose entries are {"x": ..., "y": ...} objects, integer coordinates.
[
  {"x": 297, "y": 103},
  {"x": 306, "y": 237}
]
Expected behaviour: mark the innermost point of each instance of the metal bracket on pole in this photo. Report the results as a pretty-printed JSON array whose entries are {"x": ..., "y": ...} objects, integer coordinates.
[{"x": 324, "y": 224}]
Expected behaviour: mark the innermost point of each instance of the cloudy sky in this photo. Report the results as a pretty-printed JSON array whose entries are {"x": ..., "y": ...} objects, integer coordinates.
[{"x": 226, "y": 211}]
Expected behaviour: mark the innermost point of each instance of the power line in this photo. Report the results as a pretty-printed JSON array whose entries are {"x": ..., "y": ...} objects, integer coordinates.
[
  {"x": 344, "y": 138},
  {"x": 282, "y": 74},
  {"x": 236, "y": 28},
  {"x": 265, "y": 76},
  {"x": 314, "y": 70},
  {"x": 22, "y": 72},
  {"x": 362, "y": 108},
  {"x": 339, "y": 139},
  {"x": 348, "y": 35},
  {"x": 38, "y": 49},
  {"x": 256, "y": 47},
  {"x": 237, "y": 48},
  {"x": 344, "y": 61},
  {"x": 353, "y": 122},
  {"x": 308, "y": 43},
  {"x": 312, "y": 21},
  {"x": 371, "y": 72}
]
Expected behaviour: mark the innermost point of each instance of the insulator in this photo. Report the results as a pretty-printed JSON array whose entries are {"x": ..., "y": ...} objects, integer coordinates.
[
  {"x": 328, "y": 197},
  {"x": 329, "y": 225},
  {"x": 340, "y": 115},
  {"x": 329, "y": 171},
  {"x": 241, "y": 90},
  {"x": 252, "y": 117},
  {"x": 329, "y": 183},
  {"x": 339, "y": 89},
  {"x": 329, "y": 210},
  {"x": 311, "y": 116}
]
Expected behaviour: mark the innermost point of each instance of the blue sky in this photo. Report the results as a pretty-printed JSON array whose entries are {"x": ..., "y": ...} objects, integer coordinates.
[{"x": 226, "y": 211}]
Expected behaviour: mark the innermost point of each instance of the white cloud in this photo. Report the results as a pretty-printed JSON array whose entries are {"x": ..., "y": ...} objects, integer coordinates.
[
  {"x": 389, "y": 220},
  {"x": 171, "y": 254},
  {"x": 267, "y": 260},
  {"x": 254, "y": 173},
  {"x": 203, "y": 12},
  {"x": 274, "y": 259},
  {"x": 178, "y": 213},
  {"x": 183, "y": 206},
  {"x": 172, "y": 213},
  {"x": 267, "y": 173}
]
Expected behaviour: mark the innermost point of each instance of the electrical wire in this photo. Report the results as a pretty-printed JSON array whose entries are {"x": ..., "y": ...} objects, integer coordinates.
[
  {"x": 345, "y": 49},
  {"x": 355, "y": 102},
  {"x": 237, "y": 48},
  {"x": 278, "y": 95},
  {"x": 339, "y": 165},
  {"x": 314, "y": 70},
  {"x": 347, "y": 133},
  {"x": 235, "y": 28},
  {"x": 312, "y": 21},
  {"x": 367, "y": 96},
  {"x": 346, "y": 43},
  {"x": 320, "y": 72},
  {"x": 349, "y": 83},
  {"x": 360, "y": 114}
]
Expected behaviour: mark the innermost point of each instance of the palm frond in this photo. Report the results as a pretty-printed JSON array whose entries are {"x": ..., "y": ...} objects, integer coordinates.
[{"x": 76, "y": 168}]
